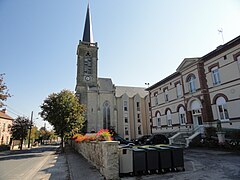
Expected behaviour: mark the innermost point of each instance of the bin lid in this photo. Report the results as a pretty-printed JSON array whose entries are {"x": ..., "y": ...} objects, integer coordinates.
[
  {"x": 174, "y": 147},
  {"x": 147, "y": 148},
  {"x": 160, "y": 148},
  {"x": 137, "y": 149}
]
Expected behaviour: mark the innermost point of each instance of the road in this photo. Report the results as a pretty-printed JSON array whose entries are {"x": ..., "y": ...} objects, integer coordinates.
[
  {"x": 203, "y": 164},
  {"x": 36, "y": 163}
]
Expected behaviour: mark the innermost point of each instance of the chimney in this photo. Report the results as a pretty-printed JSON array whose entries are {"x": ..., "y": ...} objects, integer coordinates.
[{"x": 4, "y": 110}]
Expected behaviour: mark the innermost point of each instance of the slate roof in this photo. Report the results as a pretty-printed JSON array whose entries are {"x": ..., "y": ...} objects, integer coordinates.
[
  {"x": 88, "y": 33},
  {"x": 130, "y": 91},
  {"x": 105, "y": 84},
  {"x": 5, "y": 116}
]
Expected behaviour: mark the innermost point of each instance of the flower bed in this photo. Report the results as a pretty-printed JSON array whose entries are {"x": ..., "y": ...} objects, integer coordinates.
[
  {"x": 100, "y": 150},
  {"x": 101, "y": 135}
]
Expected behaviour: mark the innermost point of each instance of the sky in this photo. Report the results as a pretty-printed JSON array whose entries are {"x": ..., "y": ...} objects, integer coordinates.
[{"x": 140, "y": 41}]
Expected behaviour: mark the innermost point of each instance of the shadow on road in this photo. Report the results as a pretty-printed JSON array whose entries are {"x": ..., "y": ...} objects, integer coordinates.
[
  {"x": 17, "y": 157},
  {"x": 55, "y": 168}
]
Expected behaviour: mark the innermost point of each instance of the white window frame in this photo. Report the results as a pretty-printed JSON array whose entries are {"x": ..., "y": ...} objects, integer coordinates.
[
  {"x": 156, "y": 98},
  {"x": 192, "y": 84},
  {"x": 222, "y": 109},
  {"x": 166, "y": 95},
  {"x": 215, "y": 76},
  {"x": 182, "y": 116},
  {"x": 158, "y": 120},
  {"x": 169, "y": 118},
  {"x": 179, "y": 90}
]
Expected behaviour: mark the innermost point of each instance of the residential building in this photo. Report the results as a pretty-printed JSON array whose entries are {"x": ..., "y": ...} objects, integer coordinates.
[
  {"x": 132, "y": 111},
  {"x": 5, "y": 127},
  {"x": 200, "y": 93}
]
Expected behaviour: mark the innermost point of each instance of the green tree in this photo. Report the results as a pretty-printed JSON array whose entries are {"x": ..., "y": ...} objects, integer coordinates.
[
  {"x": 34, "y": 134},
  {"x": 3, "y": 91},
  {"x": 20, "y": 129},
  {"x": 64, "y": 112}
]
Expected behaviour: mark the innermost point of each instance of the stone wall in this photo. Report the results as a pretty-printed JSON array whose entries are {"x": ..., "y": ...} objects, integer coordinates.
[{"x": 103, "y": 155}]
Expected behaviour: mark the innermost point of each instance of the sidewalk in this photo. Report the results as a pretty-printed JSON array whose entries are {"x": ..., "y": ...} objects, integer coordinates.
[{"x": 79, "y": 167}]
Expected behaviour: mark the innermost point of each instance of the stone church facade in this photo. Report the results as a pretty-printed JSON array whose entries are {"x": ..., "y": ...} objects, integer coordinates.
[{"x": 104, "y": 101}]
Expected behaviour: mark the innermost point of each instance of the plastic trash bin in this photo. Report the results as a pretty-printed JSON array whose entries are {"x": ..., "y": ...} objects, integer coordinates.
[
  {"x": 152, "y": 159},
  {"x": 177, "y": 157},
  {"x": 125, "y": 161},
  {"x": 165, "y": 158},
  {"x": 139, "y": 161}
]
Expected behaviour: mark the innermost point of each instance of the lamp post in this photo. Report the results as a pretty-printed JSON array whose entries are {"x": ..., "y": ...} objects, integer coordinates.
[
  {"x": 150, "y": 108},
  {"x": 30, "y": 129}
]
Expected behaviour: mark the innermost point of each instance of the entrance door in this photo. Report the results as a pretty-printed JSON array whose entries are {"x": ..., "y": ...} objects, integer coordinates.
[{"x": 198, "y": 123}]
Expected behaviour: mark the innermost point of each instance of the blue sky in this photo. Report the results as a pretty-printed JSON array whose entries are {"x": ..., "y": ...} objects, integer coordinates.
[{"x": 139, "y": 41}]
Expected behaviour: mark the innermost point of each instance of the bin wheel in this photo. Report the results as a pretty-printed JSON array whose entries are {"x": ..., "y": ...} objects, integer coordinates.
[
  {"x": 183, "y": 169},
  {"x": 131, "y": 174}
]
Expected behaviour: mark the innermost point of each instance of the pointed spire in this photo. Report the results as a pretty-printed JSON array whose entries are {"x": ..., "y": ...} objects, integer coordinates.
[{"x": 88, "y": 34}]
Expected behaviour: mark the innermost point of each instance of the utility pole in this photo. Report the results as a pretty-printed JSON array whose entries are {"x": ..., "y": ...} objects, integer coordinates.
[
  {"x": 29, "y": 138},
  {"x": 150, "y": 108}
]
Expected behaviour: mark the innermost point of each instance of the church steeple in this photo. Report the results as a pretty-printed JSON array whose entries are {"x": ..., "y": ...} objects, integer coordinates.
[{"x": 88, "y": 34}]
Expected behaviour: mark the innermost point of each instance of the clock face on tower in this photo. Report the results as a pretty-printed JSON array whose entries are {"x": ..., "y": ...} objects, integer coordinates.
[{"x": 87, "y": 78}]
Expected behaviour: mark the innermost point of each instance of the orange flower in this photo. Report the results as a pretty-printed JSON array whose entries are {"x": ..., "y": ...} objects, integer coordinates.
[{"x": 103, "y": 135}]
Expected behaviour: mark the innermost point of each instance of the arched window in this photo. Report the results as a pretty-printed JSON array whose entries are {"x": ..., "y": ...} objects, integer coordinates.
[
  {"x": 191, "y": 83},
  {"x": 158, "y": 119},
  {"x": 169, "y": 118},
  {"x": 106, "y": 115},
  {"x": 182, "y": 116},
  {"x": 222, "y": 109}
]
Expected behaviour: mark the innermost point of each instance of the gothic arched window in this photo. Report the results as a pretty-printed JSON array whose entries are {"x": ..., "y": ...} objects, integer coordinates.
[{"x": 106, "y": 115}]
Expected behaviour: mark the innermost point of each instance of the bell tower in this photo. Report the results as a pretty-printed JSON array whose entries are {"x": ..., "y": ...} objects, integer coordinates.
[{"x": 87, "y": 57}]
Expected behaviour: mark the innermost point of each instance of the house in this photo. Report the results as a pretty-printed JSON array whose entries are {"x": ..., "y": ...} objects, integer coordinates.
[{"x": 5, "y": 127}]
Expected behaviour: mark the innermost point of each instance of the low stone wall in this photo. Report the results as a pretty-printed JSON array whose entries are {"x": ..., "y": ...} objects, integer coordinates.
[{"x": 103, "y": 155}]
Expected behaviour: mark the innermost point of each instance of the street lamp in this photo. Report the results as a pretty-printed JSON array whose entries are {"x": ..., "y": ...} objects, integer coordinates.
[
  {"x": 150, "y": 108},
  {"x": 30, "y": 129}
]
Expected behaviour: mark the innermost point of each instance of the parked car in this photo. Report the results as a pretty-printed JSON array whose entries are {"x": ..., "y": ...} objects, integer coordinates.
[
  {"x": 141, "y": 140},
  {"x": 157, "y": 139},
  {"x": 120, "y": 139}
]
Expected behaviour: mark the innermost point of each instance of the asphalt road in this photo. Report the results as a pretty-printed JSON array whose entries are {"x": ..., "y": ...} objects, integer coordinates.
[
  {"x": 36, "y": 163},
  {"x": 203, "y": 164}
]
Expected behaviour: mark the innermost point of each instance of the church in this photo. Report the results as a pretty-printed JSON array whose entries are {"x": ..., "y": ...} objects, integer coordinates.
[{"x": 124, "y": 109}]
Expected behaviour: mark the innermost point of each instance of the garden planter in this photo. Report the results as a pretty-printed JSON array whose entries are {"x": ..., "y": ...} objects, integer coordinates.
[{"x": 221, "y": 137}]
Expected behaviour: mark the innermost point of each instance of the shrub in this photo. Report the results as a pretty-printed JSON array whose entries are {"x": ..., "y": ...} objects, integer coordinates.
[{"x": 101, "y": 135}]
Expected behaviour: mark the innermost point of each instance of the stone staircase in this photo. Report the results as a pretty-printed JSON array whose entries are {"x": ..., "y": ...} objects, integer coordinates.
[{"x": 183, "y": 138}]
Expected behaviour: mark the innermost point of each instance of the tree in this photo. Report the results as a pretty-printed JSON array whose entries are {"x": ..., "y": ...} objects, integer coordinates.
[
  {"x": 64, "y": 112},
  {"x": 20, "y": 129},
  {"x": 3, "y": 91},
  {"x": 34, "y": 134}
]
